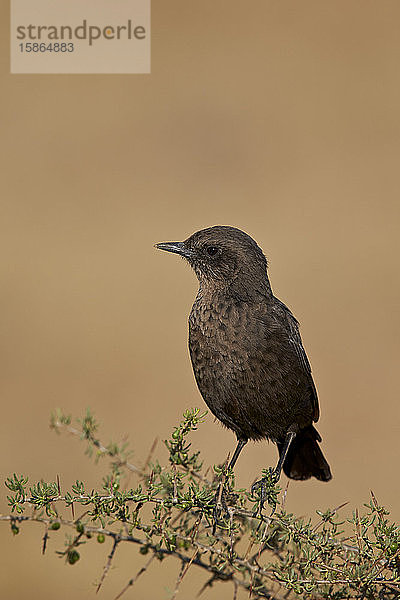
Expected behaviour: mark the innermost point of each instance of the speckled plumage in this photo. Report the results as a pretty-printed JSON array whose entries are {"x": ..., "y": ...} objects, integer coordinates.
[
  {"x": 246, "y": 350},
  {"x": 247, "y": 367}
]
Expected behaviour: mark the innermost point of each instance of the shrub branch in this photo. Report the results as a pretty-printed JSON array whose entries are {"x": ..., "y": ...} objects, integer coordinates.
[{"x": 170, "y": 513}]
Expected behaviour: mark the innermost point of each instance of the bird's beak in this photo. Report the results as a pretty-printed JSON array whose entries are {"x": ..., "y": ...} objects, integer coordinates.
[{"x": 176, "y": 247}]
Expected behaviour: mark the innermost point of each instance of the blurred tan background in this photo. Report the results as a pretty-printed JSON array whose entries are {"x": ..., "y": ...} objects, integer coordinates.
[{"x": 281, "y": 118}]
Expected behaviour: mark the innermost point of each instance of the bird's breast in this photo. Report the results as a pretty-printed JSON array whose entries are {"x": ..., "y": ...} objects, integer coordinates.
[{"x": 216, "y": 327}]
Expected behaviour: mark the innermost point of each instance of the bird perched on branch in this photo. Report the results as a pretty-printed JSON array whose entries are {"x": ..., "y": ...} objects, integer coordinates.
[{"x": 247, "y": 354}]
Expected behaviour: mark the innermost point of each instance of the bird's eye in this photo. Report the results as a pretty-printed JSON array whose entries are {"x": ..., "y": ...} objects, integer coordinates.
[{"x": 212, "y": 250}]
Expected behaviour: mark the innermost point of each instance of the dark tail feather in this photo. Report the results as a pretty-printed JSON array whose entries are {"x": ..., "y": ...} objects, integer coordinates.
[{"x": 304, "y": 458}]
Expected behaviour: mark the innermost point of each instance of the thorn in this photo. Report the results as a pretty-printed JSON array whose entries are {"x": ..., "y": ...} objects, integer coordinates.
[
  {"x": 340, "y": 506},
  {"x": 374, "y": 500},
  {"x": 151, "y": 477},
  {"x": 183, "y": 572},
  {"x": 138, "y": 574},
  {"x": 207, "y": 584},
  {"x": 45, "y": 538}
]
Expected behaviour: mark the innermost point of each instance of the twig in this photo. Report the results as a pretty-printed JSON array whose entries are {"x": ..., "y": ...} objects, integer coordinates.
[
  {"x": 99, "y": 445},
  {"x": 109, "y": 561},
  {"x": 150, "y": 454},
  {"x": 235, "y": 590},
  {"x": 243, "y": 564},
  {"x": 335, "y": 510},
  {"x": 358, "y": 536}
]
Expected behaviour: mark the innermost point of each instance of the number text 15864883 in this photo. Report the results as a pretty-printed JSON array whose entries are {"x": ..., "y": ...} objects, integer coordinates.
[{"x": 44, "y": 47}]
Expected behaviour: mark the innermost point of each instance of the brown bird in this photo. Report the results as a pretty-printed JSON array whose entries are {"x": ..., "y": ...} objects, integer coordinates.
[{"x": 247, "y": 354}]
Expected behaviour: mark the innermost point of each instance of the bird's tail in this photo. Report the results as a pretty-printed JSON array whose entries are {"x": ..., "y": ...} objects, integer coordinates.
[{"x": 304, "y": 458}]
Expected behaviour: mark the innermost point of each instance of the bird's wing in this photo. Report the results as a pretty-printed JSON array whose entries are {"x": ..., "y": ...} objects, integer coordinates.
[{"x": 292, "y": 327}]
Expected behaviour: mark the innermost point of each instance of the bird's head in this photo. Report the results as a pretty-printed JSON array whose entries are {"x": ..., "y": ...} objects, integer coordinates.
[{"x": 221, "y": 256}]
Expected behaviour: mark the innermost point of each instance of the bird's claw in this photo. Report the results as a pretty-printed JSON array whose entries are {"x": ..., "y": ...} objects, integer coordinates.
[
  {"x": 222, "y": 497},
  {"x": 219, "y": 506},
  {"x": 261, "y": 487}
]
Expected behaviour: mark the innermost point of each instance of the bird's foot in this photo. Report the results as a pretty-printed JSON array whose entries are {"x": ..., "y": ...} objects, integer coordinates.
[
  {"x": 266, "y": 490},
  {"x": 221, "y": 508},
  {"x": 220, "y": 505}
]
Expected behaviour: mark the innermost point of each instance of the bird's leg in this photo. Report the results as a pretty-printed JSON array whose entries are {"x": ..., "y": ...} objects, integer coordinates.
[
  {"x": 276, "y": 473},
  {"x": 220, "y": 502},
  {"x": 239, "y": 447},
  {"x": 288, "y": 440}
]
